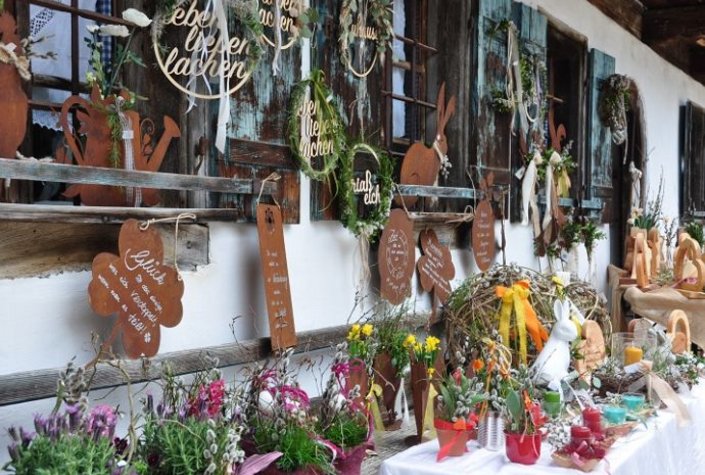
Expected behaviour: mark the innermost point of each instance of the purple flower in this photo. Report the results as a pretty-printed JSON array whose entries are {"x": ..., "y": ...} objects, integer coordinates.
[
  {"x": 101, "y": 422},
  {"x": 75, "y": 415},
  {"x": 14, "y": 451}
]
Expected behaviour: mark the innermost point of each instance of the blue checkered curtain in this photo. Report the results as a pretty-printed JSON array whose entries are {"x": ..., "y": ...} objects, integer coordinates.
[{"x": 106, "y": 8}]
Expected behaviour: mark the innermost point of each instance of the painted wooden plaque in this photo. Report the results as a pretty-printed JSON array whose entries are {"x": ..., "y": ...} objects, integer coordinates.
[
  {"x": 396, "y": 257},
  {"x": 483, "y": 241},
  {"x": 276, "y": 276},
  {"x": 435, "y": 267},
  {"x": 139, "y": 287}
]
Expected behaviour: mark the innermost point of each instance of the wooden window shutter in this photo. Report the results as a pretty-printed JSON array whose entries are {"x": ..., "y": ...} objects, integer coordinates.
[
  {"x": 491, "y": 132},
  {"x": 599, "y": 141},
  {"x": 692, "y": 159}
]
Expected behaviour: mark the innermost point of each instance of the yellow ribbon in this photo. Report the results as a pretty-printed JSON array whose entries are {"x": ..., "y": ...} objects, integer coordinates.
[
  {"x": 428, "y": 427},
  {"x": 516, "y": 297},
  {"x": 563, "y": 184},
  {"x": 373, "y": 406}
]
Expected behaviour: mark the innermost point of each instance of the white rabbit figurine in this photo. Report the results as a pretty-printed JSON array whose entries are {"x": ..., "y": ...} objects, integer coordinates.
[{"x": 552, "y": 364}]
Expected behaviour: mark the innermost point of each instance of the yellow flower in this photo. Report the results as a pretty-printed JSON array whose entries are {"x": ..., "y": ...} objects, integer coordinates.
[
  {"x": 432, "y": 343},
  {"x": 418, "y": 347},
  {"x": 367, "y": 329},
  {"x": 410, "y": 341},
  {"x": 557, "y": 280},
  {"x": 354, "y": 333},
  {"x": 431, "y": 371}
]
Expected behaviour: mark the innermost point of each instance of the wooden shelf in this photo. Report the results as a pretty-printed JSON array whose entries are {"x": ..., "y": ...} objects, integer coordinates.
[{"x": 437, "y": 191}]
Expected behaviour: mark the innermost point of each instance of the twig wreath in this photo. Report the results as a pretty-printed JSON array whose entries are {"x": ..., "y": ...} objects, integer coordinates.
[
  {"x": 380, "y": 31},
  {"x": 322, "y": 134},
  {"x": 246, "y": 12},
  {"x": 615, "y": 97},
  {"x": 377, "y": 218}
]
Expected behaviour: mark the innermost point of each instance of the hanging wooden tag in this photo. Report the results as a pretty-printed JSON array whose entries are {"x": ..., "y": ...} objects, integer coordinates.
[
  {"x": 435, "y": 267},
  {"x": 276, "y": 276},
  {"x": 483, "y": 241},
  {"x": 139, "y": 287},
  {"x": 396, "y": 257}
]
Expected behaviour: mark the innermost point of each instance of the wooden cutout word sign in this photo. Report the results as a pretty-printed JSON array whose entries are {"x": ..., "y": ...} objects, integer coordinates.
[
  {"x": 360, "y": 22},
  {"x": 139, "y": 287},
  {"x": 436, "y": 268},
  {"x": 289, "y": 10},
  {"x": 483, "y": 242},
  {"x": 396, "y": 256},
  {"x": 201, "y": 57},
  {"x": 276, "y": 276}
]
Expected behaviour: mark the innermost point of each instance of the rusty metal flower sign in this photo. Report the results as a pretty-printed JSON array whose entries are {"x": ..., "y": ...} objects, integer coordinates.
[{"x": 139, "y": 287}]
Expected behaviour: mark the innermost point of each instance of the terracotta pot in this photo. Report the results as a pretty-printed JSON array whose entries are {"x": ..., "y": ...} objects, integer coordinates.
[
  {"x": 523, "y": 448},
  {"x": 350, "y": 463},
  {"x": 358, "y": 376},
  {"x": 451, "y": 442},
  {"x": 386, "y": 376},
  {"x": 419, "y": 394}
]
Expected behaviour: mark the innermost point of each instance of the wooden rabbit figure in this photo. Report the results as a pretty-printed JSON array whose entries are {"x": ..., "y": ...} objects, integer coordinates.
[
  {"x": 552, "y": 364},
  {"x": 422, "y": 164}
]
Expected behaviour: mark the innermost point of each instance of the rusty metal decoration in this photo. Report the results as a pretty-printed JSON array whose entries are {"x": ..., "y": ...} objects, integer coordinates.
[
  {"x": 435, "y": 267},
  {"x": 139, "y": 287},
  {"x": 421, "y": 164},
  {"x": 483, "y": 240},
  {"x": 96, "y": 152},
  {"x": 276, "y": 276},
  {"x": 13, "y": 100},
  {"x": 396, "y": 257}
]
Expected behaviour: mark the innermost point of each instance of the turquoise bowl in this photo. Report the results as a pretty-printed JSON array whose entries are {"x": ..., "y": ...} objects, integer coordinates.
[{"x": 633, "y": 402}]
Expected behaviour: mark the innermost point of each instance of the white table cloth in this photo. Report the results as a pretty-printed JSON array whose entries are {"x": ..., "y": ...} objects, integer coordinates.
[{"x": 662, "y": 448}]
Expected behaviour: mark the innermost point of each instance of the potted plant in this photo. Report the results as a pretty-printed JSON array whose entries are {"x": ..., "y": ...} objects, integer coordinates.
[
  {"x": 390, "y": 362},
  {"x": 522, "y": 419},
  {"x": 344, "y": 425},
  {"x": 454, "y": 414},
  {"x": 361, "y": 350},
  {"x": 423, "y": 357},
  {"x": 278, "y": 418}
]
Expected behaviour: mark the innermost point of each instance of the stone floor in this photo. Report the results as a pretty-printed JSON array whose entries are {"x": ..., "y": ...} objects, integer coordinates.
[{"x": 390, "y": 443}]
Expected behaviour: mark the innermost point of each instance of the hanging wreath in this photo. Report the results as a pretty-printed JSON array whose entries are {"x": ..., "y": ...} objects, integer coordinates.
[
  {"x": 379, "y": 214},
  {"x": 246, "y": 12},
  {"x": 615, "y": 97},
  {"x": 323, "y": 133},
  {"x": 380, "y": 31}
]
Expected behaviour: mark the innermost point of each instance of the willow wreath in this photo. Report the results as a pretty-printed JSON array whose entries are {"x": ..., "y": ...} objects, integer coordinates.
[
  {"x": 380, "y": 12},
  {"x": 377, "y": 218},
  {"x": 246, "y": 12},
  {"x": 329, "y": 119}
]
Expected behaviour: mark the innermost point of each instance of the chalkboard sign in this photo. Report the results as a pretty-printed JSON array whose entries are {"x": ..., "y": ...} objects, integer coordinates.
[
  {"x": 435, "y": 267},
  {"x": 276, "y": 276},
  {"x": 396, "y": 257},
  {"x": 139, "y": 287}
]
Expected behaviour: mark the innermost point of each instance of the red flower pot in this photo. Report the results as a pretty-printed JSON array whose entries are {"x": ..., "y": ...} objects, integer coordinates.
[
  {"x": 350, "y": 463},
  {"x": 451, "y": 442},
  {"x": 523, "y": 448}
]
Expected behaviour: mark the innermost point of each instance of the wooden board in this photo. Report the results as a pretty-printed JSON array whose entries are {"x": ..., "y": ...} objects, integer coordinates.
[
  {"x": 483, "y": 241},
  {"x": 435, "y": 267},
  {"x": 61, "y": 247},
  {"x": 139, "y": 287},
  {"x": 396, "y": 257},
  {"x": 276, "y": 276}
]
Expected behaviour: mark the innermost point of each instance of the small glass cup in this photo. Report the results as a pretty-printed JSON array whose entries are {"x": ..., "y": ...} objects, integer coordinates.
[
  {"x": 615, "y": 414},
  {"x": 633, "y": 401},
  {"x": 628, "y": 350}
]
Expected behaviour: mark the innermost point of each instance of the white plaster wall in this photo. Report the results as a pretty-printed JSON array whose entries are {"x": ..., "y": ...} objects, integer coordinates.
[{"x": 47, "y": 321}]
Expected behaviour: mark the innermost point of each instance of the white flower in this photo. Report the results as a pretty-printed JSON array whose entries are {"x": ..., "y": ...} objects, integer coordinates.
[
  {"x": 136, "y": 17},
  {"x": 114, "y": 30},
  {"x": 92, "y": 28},
  {"x": 555, "y": 159}
]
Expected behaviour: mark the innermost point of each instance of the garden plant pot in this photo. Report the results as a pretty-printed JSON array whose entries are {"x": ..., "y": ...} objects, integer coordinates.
[
  {"x": 523, "y": 448},
  {"x": 451, "y": 442},
  {"x": 358, "y": 376},
  {"x": 386, "y": 376},
  {"x": 419, "y": 394}
]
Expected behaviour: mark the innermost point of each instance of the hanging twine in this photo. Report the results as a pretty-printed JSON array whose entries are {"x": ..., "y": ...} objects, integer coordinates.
[
  {"x": 443, "y": 158},
  {"x": 144, "y": 226},
  {"x": 274, "y": 177}
]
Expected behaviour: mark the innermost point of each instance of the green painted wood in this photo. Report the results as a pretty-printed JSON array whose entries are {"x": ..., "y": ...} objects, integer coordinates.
[
  {"x": 692, "y": 160},
  {"x": 61, "y": 173},
  {"x": 600, "y": 67},
  {"x": 532, "y": 26}
]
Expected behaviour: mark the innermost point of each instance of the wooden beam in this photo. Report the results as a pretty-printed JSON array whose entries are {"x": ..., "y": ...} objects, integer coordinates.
[
  {"x": 61, "y": 173},
  {"x": 627, "y": 13},
  {"x": 109, "y": 214},
  {"x": 33, "y": 385},
  {"x": 664, "y": 23}
]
